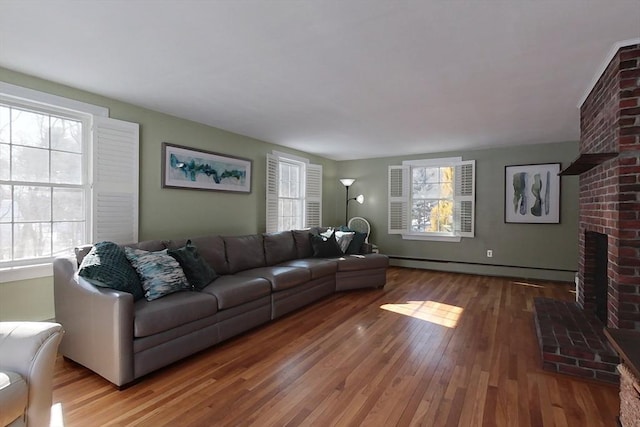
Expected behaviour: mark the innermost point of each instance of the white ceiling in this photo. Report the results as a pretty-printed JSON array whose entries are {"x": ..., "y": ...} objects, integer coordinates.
[{"x": 345, "y": 79}]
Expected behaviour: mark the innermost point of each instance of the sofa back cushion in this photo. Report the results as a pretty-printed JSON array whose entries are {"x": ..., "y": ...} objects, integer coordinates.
[
  {"x": 303, "y": 240},
  {"x": 244, "y": 252},
  {"x": 279, "y": 247},
  {"x": 147, "y": 245},
  {"x": 210, "y": 248}
]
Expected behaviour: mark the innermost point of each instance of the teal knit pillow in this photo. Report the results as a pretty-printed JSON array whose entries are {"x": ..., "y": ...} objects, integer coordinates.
[
  {"x": 159, "y": 272},
  {"x": 106, "y": 265},
  {"x": 199, "y": 273}
]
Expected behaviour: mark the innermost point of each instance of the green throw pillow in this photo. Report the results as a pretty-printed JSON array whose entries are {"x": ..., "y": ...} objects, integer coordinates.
[
  {"x": 199, "y": 273},
  {"x": 325, "y": 247},
  {"x": 106, "y": 265},
  {"x": 160, "y": 273},
  {"x": 356, "y": 243}
]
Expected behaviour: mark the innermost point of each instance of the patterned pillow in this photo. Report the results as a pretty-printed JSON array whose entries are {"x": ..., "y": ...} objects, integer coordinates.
[
  {"x": 198, "y": 272},
  {"x": 107, "y": 266},
  {"x": 160, "y": 273}
]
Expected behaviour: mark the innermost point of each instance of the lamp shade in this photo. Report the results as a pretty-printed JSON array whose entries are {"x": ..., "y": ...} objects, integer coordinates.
[
  {"x": 360, "y": 199},
  {"x": 347, "y": 181}
]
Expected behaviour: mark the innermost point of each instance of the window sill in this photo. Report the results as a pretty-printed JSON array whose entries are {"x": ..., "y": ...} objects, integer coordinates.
[
  {"x": 12, "y": 274},
  {"x": 432, "y": 238}
]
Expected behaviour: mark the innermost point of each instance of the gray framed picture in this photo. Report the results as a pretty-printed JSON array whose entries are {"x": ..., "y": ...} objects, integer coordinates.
[
  {"x": 190, "y": 168},
  {"x": 532, "y": 194}
]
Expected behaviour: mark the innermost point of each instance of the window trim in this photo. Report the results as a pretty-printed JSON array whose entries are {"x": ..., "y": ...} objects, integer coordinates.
[
  {"x": 404, "y": 200},
  {"x": 98, "y": 117},
  {"x": 311, "y": 182}
]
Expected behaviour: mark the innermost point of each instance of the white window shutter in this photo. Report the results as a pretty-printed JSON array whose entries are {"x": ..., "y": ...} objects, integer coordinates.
[
  {"x": 272, "y": 193},
  {"x": 313, "y": 196},
  {"x": 399, "y": 181},
  {"x": 464, "y": 198},
  {"x": 115, "y": 172}
]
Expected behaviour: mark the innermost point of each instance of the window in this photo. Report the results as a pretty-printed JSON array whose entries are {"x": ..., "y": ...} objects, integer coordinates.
[
  {"x": 432, "y": 199},
  {"x": 68, "y": 176},
  {"x": 43, "y": 185},
  {"x": 294, "y": 193}
]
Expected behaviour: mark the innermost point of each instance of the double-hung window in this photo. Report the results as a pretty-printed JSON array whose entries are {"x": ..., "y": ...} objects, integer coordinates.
[
  {"x": 432, "y": 199},
  {"x": 68, "y": 176},
  {"x": 294, "y": 193}
]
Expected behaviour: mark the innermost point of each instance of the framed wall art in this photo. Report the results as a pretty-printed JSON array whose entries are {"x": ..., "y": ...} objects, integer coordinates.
[
  {"x": 532, "y": 194},
  {"x": 184, "y": 167}
]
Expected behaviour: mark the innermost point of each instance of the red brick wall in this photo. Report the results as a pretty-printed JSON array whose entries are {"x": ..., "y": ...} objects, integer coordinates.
[{"x": 610, "y": 192}]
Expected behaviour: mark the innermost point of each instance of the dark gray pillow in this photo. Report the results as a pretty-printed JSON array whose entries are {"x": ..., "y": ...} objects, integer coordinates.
[
  {"x": 106, "y": 265},
  {"x": 356, "y": 243},
  {"x": 325, "y": 247},
  {"x": 198, "y": 272}
]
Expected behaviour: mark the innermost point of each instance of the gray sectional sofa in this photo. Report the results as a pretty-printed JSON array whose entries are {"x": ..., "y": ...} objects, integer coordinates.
[{"x": 262, "y": 277}]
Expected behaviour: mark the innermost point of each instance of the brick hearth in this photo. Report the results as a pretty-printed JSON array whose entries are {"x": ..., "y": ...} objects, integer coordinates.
[{"x": 572, "y": 341}]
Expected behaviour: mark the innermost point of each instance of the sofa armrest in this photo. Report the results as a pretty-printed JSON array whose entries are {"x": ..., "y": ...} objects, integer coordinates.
[
  {"x": 30, "y": 349},
  {"x": 98, "y": 323}
]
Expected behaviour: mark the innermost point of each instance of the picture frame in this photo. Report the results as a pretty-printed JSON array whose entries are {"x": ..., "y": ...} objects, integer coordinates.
[
  {"x": 196, "y": 169},
  {"x": 532, "y": 194}
]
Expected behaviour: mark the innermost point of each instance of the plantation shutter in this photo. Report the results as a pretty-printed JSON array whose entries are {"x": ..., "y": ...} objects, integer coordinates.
[
  {"x": 464, "y": 198},
  {"x": 398, "y": 220},
  {"x": 273, "y": 166},
  {"x": 313, "y": 196},
  {"x": 114, "y": 180}
]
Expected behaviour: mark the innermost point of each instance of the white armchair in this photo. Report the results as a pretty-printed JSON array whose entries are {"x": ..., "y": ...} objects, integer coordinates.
[{"x": 27, "y": 356}]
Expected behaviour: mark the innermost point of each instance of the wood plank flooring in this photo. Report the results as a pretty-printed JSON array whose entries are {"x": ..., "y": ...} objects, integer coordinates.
[{"x": 430, "y": 349}]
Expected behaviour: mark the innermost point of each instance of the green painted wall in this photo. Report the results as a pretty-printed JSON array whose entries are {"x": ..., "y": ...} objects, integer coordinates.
[
  {"x": 537, "y": 250},
  {"x": 169, "y": 213}
]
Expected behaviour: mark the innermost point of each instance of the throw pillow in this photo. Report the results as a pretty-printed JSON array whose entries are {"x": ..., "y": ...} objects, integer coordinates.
[
  {"x": 344, "y": 236},
  {"x": 198, "y": 272},
  {"x": 356, "y": 243},
  {"x": 325, "y": 247},
  {"x": 160, "y": 273},
  {"x": 106, "y": 265}
]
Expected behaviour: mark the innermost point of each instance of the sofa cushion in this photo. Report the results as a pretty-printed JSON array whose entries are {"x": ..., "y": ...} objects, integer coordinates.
[
  {"x": 325, "y": 246},
  {"x": 152, "y": 317},
  {"x": 147, "y": 245},
  {"x": 13, "y": 396},
  {"x": 159, "y": 272},
  {"x": 234, "y": 290},
  {"x": 279, "y": 247},
  {"x": 302, "y": 239},
  {"x": 280, "y": 277},
  {"x": 362, "y": 262},
  {"x": 198, "y": 272},
  {"x": 317, "y": 266},
  {"x": 106, "y": 265},
  {"x": 244, "y": 252},
  {"x": 210, "y": 248}
]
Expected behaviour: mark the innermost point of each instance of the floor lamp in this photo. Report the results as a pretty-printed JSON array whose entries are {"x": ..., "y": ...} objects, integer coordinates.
[{"x": 347, "y": 182}]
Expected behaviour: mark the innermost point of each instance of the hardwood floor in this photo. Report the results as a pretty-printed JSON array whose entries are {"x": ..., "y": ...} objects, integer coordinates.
[{"x": 431, "y": 348}]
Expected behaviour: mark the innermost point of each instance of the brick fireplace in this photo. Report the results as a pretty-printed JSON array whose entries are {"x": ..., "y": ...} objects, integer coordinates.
[
  {"x": 609, "y": 193},
  {"x": 608, "y": 283}
]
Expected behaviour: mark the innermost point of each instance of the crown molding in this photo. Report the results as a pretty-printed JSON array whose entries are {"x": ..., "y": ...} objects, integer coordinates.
[{"x": 603, "y": 66}]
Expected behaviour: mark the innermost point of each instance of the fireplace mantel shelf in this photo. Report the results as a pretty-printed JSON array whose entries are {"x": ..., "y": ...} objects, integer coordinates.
[{"x": 586, "y": 161}]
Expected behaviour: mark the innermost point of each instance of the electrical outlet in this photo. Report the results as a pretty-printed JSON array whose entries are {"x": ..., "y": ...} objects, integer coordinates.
[{"x": 489, "y": 253}]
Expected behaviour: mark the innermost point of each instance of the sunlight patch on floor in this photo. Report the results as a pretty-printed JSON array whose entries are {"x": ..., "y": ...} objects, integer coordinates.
[
  {"x": 57, "y": 420},
  {"x": 430, "y": 311}
]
